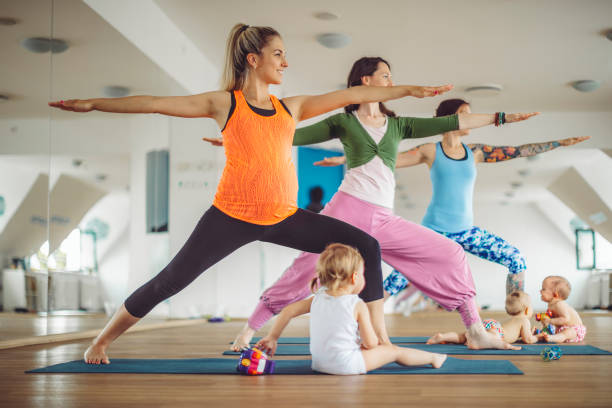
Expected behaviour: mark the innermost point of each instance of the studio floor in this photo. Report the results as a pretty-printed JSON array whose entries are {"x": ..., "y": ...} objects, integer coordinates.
[{"x": 573, "y": 381}]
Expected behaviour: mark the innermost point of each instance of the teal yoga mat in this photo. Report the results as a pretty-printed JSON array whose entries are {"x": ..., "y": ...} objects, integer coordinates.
[
  {"x": 306, "y": 340},
  {"x": 228, "y": 366},
  {"x": 456, "y": 349},
  {"x": 394, "y": 340}
]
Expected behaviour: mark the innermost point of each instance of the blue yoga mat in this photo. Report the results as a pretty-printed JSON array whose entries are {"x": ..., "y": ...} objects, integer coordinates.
[
  {"x": 394, "y": 340},
  {"x": 457, "y": 349},
  {"x": 306, "y": 340},
  {"x": 228, "y": 366}
]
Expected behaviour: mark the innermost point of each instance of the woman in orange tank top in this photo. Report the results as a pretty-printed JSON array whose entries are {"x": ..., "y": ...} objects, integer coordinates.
[{"x": 256, "y": 198}]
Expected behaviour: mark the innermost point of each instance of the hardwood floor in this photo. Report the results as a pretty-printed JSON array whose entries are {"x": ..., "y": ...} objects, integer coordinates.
[{"x": 573, "y": 381}]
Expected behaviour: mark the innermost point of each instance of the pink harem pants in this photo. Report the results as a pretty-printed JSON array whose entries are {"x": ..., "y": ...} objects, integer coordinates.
[{"x": 436, "y": 265}]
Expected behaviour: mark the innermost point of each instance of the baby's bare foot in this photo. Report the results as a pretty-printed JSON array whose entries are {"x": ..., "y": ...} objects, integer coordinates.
[
  {"x": 95, "y": 354},
  {"x": 554, "y": 338},
  {"x": 438, "y": 360},
  {"x": 243, "y": 339},
  {"x": 435, "y": 339},
  {"x": 484, "y": 340}
]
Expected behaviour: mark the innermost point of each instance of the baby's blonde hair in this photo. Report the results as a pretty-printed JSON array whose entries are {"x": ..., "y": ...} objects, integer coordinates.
[
  {"x": 517, "y": 302},
  {"x": 336, "y": 265},
  {"x": 560, "y": 285}
]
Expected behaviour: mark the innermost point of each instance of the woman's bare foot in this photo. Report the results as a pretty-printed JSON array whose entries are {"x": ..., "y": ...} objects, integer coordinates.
[
  {"x": 243, "y": 339},
  {"x": 483, "y": 340},
  {"x": 435, "y": 339},
  {"x": 438, "y": 360},
  {"x": 95, "y": 354}
]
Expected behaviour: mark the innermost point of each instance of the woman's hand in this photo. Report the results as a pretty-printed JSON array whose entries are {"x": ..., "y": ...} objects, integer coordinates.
[
  {"x": 518, "y": 117},
  {"x": 331, "y": 161},
  {"x": 573, "y": 140},
  {"x": 425, "y": 91},
  {"x": 73, "y": 105},
  {"x": 267, "y": 345},
  {"x": 215, "y": 141}
]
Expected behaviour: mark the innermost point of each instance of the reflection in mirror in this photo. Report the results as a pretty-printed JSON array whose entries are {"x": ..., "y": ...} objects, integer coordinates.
[
  {"x": 98, "y": 168},
  {"x": 24, "y": 166}
]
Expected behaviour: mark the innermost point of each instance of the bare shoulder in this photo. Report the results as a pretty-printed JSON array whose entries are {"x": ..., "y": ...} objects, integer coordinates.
[
  {"x": 220, "y": 99},
  {"x": 428, "y": 150}
]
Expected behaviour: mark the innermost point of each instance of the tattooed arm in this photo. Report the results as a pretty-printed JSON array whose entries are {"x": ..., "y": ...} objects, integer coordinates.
[{"x": 493, "y": 154}]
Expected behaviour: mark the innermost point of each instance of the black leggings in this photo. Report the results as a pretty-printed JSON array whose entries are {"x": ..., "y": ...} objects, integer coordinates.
[{"x": 217, "y": 235}]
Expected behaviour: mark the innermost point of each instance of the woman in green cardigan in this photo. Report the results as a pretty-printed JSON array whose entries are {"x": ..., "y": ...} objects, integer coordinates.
[{"x": 370, "y": 134}]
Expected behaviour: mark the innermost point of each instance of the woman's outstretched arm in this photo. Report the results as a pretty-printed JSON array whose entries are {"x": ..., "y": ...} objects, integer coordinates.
[
  {"x": 308, "y": 106},
  {"x": 493, "y": 154},
  {"x": 476, "y": 120},
  {"x": 207, "y": 105}
]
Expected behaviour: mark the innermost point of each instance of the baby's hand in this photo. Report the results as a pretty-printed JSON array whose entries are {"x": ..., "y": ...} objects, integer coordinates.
[{"x": 267, "y": 345}]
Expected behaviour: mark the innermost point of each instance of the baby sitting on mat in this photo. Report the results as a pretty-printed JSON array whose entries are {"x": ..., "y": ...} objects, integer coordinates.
[
  {"x": 569, "y": 328},
  {"x": 518, "y": 306}
]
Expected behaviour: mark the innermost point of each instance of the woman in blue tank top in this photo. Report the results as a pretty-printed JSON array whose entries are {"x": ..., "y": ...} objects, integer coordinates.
[
  {"x": 452, "y": 167},
  {"x": 453, "y": 173}
]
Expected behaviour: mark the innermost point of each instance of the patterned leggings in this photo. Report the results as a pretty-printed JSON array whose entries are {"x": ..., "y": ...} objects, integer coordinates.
[{"x": 483, "y": 244}]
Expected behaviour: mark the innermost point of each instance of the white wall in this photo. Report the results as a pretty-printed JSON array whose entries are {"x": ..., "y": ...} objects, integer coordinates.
[{"x": 148, "y": 252}]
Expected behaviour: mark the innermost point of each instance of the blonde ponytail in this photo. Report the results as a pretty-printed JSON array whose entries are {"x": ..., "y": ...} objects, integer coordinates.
[{"x": 243, "y": 40}]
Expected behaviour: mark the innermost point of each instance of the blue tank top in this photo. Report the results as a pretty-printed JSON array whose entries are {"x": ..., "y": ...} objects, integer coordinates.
[{"x": 450, "y": 209}]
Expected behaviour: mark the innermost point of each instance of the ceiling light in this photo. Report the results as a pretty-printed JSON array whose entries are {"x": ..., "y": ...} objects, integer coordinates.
[
  {"x": 8, "y": 21},
  {"x": 115, "y": 91},
  {"x": 587, "y": 85},
  {"x": 41, "y": 45},
  {"x": 516, "y": 184},
  {"x": 334, "y": 40},
  {"x": 484, "y": 90},
  {"x": 524, "y": 172},
  {"x": 533, "y": 158},
  {"x": 324, "y": 15}
]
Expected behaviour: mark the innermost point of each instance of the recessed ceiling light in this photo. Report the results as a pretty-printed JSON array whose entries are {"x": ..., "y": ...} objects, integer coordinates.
[
  {"x": 8, "y": 21},
  {"x": 324, "y": 15},
  {"x": 586, "y": 85},
  {"x": 334, "y": 40},
  {"x": 533, "y": 158},
  {"x": 115, "y": 91},
  {"x": 524, "y": 172},
  {"x": 41, "y": 45},
  {"x": 484, "y": 90}
]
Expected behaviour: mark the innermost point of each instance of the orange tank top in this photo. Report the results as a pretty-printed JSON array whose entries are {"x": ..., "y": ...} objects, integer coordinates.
[{"x": 259, "y": 182}]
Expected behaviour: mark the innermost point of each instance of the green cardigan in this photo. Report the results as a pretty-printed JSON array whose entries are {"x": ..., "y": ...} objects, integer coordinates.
[{"x": 360, "y": 148}]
